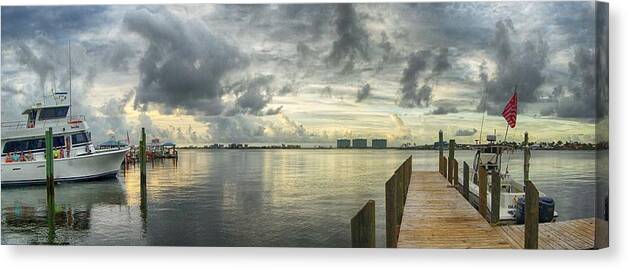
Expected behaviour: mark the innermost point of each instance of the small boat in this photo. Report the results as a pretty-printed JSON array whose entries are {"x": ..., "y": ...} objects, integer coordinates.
[
  {"x": 490, "y": 157},
  {"x": 76, "y": 158}
]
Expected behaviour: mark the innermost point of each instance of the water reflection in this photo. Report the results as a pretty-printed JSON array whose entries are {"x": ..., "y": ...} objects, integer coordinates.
[{"x": 287, "y": 198}]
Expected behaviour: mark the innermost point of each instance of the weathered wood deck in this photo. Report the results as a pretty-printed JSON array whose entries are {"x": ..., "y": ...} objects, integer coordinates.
[
  {"x": 436, "y": 215},
  {"x": 571, "y": 234}
]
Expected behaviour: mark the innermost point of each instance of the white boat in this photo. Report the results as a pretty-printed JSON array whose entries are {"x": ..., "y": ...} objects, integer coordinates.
[
  {"x": 490, "y": 157},
  {"x": 23, "y": 146}
]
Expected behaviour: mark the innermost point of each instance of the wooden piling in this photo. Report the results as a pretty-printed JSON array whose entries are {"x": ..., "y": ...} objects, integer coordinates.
[
  {"x": 531, "y": 233},
  {"x": 465, "y": 180},
  {"x": 450, "y": 164},
  {"x": 50, "y": 182},
  {"x": 455, "y": 177},
  {"x": 440, "y": 152},
  {"x": 143, "y": 158},
  {"x": 526, "y": 163},
  {"x": 495, "y": 196},
  {"x": 391, "y": 213},
  {"x": 444, "y": 166},
  {"x": 363, "y": 227},
  {"x": 400, "y": 196},
  {"x": 482, "y": 184},
  {"x": 396, "y": 196}
]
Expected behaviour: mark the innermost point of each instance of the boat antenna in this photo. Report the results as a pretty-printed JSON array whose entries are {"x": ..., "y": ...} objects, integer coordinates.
[{"x": 70, "y": 76}]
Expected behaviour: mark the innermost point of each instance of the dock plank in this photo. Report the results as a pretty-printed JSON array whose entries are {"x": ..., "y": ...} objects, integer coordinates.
[
  {"x": 570, "y": 234},
  {"x": 436, "y": 215}
]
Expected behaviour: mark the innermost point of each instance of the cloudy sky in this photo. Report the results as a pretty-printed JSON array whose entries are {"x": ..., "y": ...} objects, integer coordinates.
[{"x": 199, "y": 74}]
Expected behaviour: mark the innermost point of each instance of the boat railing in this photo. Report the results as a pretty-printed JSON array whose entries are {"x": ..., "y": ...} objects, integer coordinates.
[{"x": 17, "y": 125}]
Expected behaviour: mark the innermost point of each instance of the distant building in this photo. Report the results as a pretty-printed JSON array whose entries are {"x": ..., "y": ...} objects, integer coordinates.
[
  {"x": 379, "y": 143},
  {"x": 343, "y": 143},
  {"x": 445, "y": 145},
  {"x": 359, "y": 143}
]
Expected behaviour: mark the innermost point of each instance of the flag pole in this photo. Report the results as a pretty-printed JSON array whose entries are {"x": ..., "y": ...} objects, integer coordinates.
[{"x": 506, "y": 135}]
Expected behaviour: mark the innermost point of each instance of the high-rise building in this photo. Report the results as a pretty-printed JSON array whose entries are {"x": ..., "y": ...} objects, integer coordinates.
[
  {"x": 359, "y": 143},
  {"x": 343, "y": 143},
  {"x": 379, "y": 143}
]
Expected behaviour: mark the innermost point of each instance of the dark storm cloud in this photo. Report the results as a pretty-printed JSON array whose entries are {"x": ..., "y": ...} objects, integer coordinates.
[
  {"x": 602, "y": 56},
  {"x": 411, "y": 95},
  {"x": 466, "y": 132},
  {"x": 313, "y": 19},
  {"x": 252, "y": 96},
  {"x": 119, "y": 55},
  {"x": 580, "y": 103},
  {"x": 363, "y": 93},
  {"x": 518, "y": 65},
  {"x": 326, "y": 92},
  {"x": 284, "y": 23},
  {"x": 390, "y": 55},
  {"x": 305, "y": 54},
  {"x": 441, "y": 62},
  {"x": 184, "y": 64},
  {"x": 42, "y": 65},
  {"x": 352, "y": 41},
  {"x": 286, "y": 89},
  {"x": 55, "y": 22},
  {"x": 443, "y": 110}
]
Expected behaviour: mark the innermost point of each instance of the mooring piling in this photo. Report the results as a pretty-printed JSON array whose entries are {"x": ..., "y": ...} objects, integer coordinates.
[
  {"x": 440, "y": 151},
  {"x": 531, "y": 233},
  {"x": 143, "y": 158},
  {"x": 450, "y": 164},
  {"x": 455, "y": 177},
  {"x": 50, "y": 183},
  {"x": 363, "y": 227},
  {"x": 465, "y": 180},
  {"x": 495, "y": 196}
]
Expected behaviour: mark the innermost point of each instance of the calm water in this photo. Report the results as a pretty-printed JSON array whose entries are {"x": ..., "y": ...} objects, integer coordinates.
[{"x": 280, "y": 198}]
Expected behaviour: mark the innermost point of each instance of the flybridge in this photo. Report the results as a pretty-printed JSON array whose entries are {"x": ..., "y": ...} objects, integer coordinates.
[{"x": 52, "y": 112}]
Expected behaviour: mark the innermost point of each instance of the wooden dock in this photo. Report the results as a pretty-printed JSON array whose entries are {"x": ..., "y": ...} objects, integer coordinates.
[
  {"x": 436, "y": 215},
  {"x": 571, "y": 234}
]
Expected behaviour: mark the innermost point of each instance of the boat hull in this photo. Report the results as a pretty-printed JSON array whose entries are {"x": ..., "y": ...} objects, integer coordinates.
[{"x": 101, "y": 164}]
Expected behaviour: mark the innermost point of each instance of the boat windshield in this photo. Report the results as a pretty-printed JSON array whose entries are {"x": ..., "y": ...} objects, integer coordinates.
[{"x": 53, "y": 113}]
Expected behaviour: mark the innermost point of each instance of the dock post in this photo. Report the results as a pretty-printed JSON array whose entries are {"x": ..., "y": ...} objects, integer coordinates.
[
  {"x": 409, "y": 174},
  {"x": 526, "y": 163},
  {"x": 50, "y": 183},
  {"x": 363, "y": 227},
  {"x": 531, "y": 234},
  {"x": 399, "y": 187},
  {"x": 440, "y": 152},
  {"x": 482, "y": 182},
  {"x": 143, "y": 158},
  {"x": 450, "y": 165},
  {"x": 495, "y": 196},
  {"x": 455, "y": 177},
  {"x": 465, "y": 180},
  {"x": 391, "y": 213},
  {"x": 445, "y": 166}
]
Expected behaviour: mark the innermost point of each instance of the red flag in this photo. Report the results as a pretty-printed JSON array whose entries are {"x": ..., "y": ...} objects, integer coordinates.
[{"x": 510, "y": 111}]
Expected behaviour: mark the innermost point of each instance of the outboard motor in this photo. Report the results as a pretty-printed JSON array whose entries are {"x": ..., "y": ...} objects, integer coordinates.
[{"x": 546, "y": 210}]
